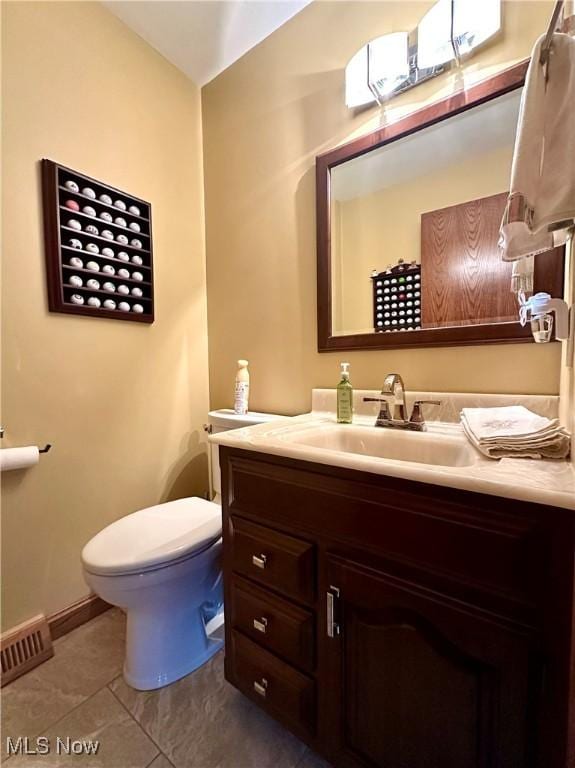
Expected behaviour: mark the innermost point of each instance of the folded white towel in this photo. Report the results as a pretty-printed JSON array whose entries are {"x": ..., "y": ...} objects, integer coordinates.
[
  {"x": 516, "y": 432},
  {"x": 542, "y": 192}
]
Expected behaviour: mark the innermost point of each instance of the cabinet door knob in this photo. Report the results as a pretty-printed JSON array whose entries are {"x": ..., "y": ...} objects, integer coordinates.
[
  {"x": 261, "y": 687},
  {"x": 259, "y": 561},
  {"x": 261, "y": 624}
]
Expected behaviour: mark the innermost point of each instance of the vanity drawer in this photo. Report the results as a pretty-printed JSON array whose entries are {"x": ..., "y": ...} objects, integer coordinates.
[
  {"x": 279, "y": 688},
  {"x": 427, "y": 531},
  {"x": 283, "y": 628},
  {"x": 280, "y": 562}
]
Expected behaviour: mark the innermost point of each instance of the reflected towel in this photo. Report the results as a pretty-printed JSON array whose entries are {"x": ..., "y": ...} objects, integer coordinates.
[
  {"x": 542, "y": 193},
  {"x": 515, "y": 432},
  {"x": 522, "y": 275}
]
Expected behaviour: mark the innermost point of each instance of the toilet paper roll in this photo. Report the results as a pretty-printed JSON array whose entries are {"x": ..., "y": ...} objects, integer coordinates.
[{"x": 18, "y": 458}]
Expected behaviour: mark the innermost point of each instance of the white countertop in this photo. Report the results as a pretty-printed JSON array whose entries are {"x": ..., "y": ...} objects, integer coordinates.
[{"x": 541, "y": 481}]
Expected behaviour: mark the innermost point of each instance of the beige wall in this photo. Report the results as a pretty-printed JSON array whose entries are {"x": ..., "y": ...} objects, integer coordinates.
[
  {"x": 122, "y": 403},
  {"x": 377, "y": 229},
  {"x": 265, "y": 120}
]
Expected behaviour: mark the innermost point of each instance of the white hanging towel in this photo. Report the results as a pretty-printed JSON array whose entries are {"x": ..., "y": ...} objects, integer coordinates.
[{"x": 542, "y": 196}]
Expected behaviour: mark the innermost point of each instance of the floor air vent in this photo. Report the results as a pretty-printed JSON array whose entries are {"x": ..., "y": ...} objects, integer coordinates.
[{"x": 24, "y": 647}]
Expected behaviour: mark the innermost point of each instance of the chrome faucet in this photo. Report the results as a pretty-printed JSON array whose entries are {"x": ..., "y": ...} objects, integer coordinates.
[
  {"x": 393, "y": 389},
  {"x": 393, "y": 385}
]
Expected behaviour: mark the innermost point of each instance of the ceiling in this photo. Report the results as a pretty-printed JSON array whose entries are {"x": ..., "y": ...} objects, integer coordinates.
[
  {"x": 491, "y": 126},
  {"x": 203, "y": 37}
]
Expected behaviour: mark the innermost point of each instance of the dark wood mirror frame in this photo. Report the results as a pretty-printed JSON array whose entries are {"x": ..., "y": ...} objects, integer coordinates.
[{"x": 487, "y": 333}]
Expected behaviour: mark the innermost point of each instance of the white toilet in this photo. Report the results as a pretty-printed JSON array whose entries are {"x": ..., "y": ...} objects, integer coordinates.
[{"x": 162, "y": 566}]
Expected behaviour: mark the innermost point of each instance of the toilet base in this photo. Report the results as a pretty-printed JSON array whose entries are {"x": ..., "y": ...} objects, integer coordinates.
[
  {"x": 141, "y": 683},
  {"x": 159, "y": 653}
]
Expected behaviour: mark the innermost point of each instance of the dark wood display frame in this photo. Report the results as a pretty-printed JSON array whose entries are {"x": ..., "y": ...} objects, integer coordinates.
[
  {"x": 382, "y": 283},
  {"x": 57, "y": 252},
  {"x": 494, "y": 333}
]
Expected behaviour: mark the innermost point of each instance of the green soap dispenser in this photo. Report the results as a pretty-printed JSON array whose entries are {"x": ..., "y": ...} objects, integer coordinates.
[{"x": 344, "y": 397}]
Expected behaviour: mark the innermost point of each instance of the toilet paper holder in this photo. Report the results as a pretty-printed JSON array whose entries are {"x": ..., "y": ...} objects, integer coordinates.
[{"x": 45, "y": 449}]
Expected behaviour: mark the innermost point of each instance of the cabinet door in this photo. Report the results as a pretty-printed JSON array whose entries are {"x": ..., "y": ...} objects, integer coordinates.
[{"x": 418, "y": 680}]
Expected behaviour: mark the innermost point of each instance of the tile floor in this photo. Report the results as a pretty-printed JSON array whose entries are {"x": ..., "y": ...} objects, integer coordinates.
[{"x": 198, "y": 722}]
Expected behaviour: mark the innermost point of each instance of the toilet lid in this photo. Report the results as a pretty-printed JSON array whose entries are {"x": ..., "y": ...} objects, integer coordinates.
[{"x": 153, "y": 537}]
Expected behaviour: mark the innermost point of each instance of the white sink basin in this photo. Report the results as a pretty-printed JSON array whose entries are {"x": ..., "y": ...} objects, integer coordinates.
[{"x": 420, "y": 447}]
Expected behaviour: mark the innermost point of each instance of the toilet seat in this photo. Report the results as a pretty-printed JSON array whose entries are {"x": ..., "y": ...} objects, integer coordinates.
[{"x": 154, "y": 537}]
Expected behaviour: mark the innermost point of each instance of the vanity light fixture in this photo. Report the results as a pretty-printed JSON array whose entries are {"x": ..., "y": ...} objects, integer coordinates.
[
  {"x": 357, "y": 91},
  {"x": 454, "y": 28},
  {"x": 388, "y": 64},
  {"x": 435, "y": 36},
  {"x": 398, "y": 61}
]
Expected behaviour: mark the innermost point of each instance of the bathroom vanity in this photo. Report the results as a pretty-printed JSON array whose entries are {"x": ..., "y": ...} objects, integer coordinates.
[
  {"x": 393, "y": 622},
  {"x": 395, "y": 599}
]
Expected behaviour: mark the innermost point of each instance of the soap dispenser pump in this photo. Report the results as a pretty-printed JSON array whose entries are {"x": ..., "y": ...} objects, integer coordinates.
[{"x": 344, "y": 397}]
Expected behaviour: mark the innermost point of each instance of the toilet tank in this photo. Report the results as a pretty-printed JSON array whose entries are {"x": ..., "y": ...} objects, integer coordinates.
[{"x": 223, "y": 420}]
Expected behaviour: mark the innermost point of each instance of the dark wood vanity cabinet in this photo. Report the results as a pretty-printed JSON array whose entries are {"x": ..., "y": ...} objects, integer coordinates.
[
  {"x": 400, "y": 625},
  {"x": 425, "y": 681}
]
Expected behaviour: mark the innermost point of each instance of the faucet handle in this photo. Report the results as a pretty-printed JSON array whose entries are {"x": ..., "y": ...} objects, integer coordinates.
[
  {"x": 416, "y": 414},
  {"x": 383, "y": 409}
]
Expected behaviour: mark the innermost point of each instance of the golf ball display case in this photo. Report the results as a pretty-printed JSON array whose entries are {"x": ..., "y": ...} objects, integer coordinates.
[
  {"x": 99, "y": 250},
  {"x": 397, "y": 298}
]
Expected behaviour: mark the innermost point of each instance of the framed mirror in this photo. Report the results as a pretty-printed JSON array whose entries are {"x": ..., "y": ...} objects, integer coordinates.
[{"x": 407, "y": 228}]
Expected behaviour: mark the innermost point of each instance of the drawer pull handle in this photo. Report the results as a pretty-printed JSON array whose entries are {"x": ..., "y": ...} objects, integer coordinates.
[
  {"x": 333, "y": 628},
  {"x": 261, "y": 624},
  {"x": 259, "y": 561},
  {"x": 261, "y": 687}
]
